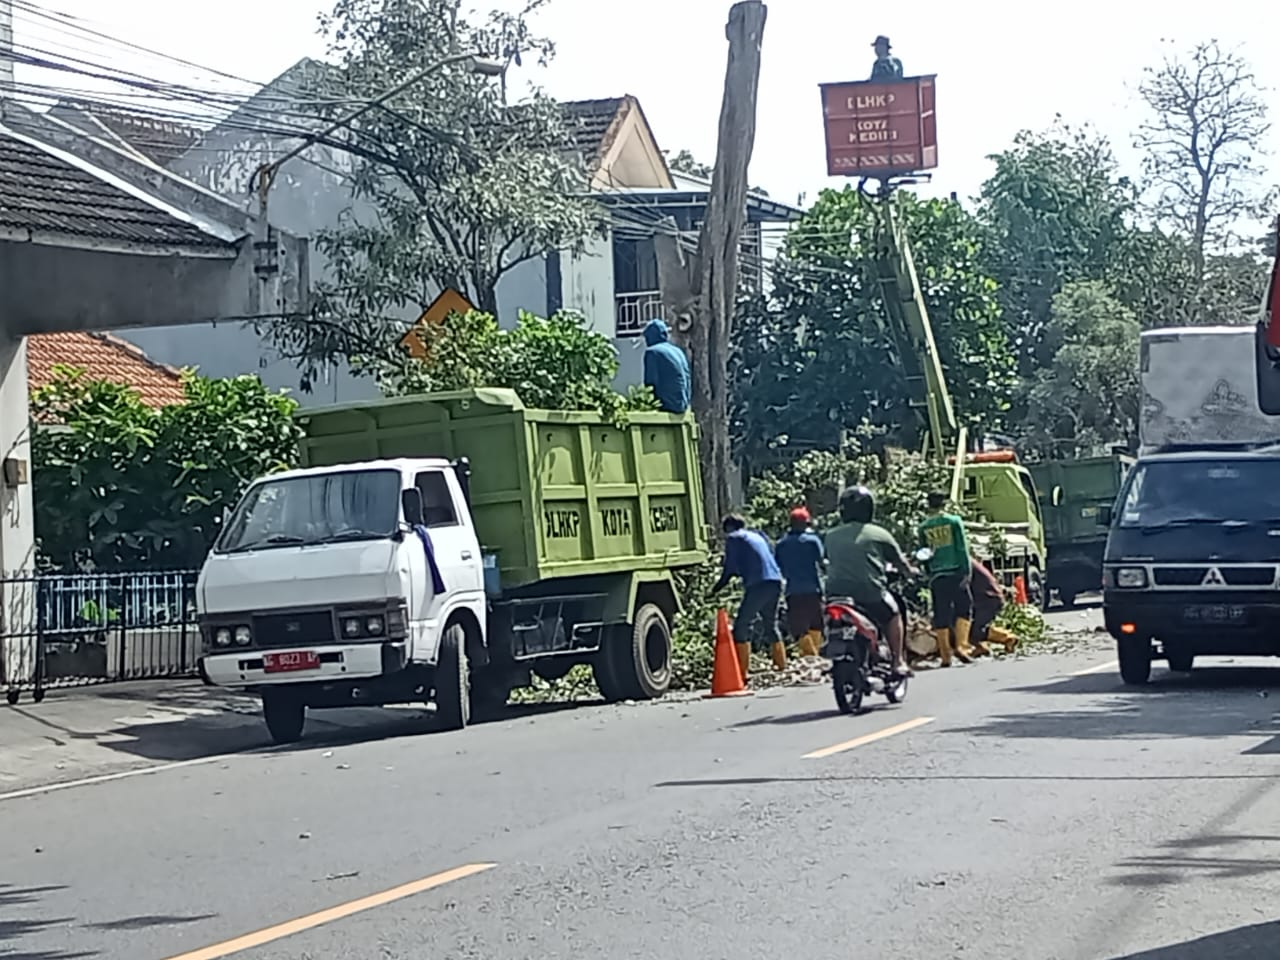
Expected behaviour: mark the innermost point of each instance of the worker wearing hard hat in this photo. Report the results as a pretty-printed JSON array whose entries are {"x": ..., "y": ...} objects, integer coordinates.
[
  {"x": 801, "y": 559},
  {"x": 887, "y": 67}
]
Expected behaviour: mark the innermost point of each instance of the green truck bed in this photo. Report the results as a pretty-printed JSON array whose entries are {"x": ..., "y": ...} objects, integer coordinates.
[
  {"x": 1071, "y": 491},
  {"x": 553, "y": 493}
]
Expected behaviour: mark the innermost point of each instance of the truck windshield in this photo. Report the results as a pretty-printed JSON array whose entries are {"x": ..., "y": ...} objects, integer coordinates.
[
  {"x": 325, "y": 508},
  {"x": 1175, "y": 492}
]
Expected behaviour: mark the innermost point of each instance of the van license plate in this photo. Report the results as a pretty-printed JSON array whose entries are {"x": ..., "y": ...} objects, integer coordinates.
[
  {"x": 293, "y": 660},
  {"x": 1215, "y": 613}
]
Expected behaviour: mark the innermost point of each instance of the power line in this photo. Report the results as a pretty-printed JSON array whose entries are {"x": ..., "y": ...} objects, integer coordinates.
[{"x": 77, "y": 24}]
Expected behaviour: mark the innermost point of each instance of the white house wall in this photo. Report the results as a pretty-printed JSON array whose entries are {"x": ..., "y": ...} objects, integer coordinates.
[
  {"x": 523, "y": 287},
  {"x": 304, "y": 199},
  {"x": 587, "y": 283},
  {"x": 17, "y": 531}
]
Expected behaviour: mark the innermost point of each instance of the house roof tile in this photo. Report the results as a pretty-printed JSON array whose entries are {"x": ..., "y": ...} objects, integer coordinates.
[
  {"x": 161, "y": 141},
  {"x": 593, "y": 123},
  {"x": 42, "y": 192},
  {"x": 103, "y": 357}
]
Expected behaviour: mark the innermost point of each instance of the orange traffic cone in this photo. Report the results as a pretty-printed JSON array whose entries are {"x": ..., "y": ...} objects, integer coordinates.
[
  {"x": 726, "y": 677},
  {"x": 1020, "y": 589}
]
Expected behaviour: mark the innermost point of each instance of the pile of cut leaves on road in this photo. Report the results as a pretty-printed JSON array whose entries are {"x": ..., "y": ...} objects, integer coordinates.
[
  {"x": 902, "y": 487},
  {"x": 693, "y": 648}
]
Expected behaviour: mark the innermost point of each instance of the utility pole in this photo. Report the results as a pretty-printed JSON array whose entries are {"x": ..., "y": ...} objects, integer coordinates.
[
  {"x": 700, "y": 291},
  {"x": 6, "y": 48}
]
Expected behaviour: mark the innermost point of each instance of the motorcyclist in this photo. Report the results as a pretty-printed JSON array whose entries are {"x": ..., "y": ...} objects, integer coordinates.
[{"x": 858, "y": 551}]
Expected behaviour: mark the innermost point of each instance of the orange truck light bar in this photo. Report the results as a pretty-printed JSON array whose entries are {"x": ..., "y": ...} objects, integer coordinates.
[{"x": 992, "y": 456}]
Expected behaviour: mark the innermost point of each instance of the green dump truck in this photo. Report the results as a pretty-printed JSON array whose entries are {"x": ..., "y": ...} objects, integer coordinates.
[
  {"x": 1072, "y": 494},
  {"x": 448, "y": 547}
]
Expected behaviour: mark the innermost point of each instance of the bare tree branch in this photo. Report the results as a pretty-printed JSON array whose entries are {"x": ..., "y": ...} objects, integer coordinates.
[{"x": 1207, "y": 121}]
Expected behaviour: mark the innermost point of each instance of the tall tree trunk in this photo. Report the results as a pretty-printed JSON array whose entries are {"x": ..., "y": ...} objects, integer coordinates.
[{"x": 703, "y": 297}]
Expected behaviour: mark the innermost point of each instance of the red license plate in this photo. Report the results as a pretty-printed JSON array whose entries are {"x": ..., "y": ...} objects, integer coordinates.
[{"x": 293, "y": 660}]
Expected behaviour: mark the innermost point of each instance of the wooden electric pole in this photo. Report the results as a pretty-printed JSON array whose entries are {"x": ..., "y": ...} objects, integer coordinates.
[{"x": 700, "y": 290}]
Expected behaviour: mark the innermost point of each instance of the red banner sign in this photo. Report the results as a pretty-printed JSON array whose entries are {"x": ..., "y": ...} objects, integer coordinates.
[{"x": 880, "y": 129}]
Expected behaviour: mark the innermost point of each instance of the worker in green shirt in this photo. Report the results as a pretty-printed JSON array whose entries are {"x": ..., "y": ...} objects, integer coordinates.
[{"x": 948, "y": 568}]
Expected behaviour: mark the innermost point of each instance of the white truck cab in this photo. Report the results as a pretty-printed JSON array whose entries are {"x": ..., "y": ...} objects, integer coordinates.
[{"x": 321, "y": 590}]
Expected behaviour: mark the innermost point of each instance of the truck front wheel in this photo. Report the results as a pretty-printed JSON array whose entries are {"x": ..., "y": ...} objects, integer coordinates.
[
  {"x": 286, "y": 715},
  {"x": 1135, "y": 660},
  {"x": 453, "y": 679},
  {"x": 637, "y": 658}
]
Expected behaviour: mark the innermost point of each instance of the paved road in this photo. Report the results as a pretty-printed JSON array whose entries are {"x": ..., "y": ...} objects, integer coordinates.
[{"x": 1010, "y": 811}]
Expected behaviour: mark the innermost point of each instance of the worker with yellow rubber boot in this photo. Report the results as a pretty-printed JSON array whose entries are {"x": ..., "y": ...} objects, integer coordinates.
[
  {"x": 948, "y": 568},
  {"x": 801, "y": 558},
  {"x": 748, "y": 554},
  {"x": 988, "y": 601}
]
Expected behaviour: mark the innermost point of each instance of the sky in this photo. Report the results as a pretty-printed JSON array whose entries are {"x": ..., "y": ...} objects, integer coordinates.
[{"x": 1002, "y": 66}]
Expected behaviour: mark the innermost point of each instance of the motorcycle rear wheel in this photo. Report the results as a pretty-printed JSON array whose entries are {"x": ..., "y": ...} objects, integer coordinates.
[{"x": 847, "y": 683}]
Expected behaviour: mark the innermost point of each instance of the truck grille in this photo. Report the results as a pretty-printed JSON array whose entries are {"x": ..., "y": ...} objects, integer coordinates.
[
  {"x": 1179, "y": 576},
  {"x": 1245, "y": 576},
  {"x": 291, "y": 629}
]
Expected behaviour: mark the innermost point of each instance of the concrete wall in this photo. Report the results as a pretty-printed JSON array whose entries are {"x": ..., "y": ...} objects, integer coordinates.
[
  {"x": 523, "y": 287},
  {"x": 17, "y": 533},
  {"x": 309, "y": 194},
  {"x": 587, "y": 284}
]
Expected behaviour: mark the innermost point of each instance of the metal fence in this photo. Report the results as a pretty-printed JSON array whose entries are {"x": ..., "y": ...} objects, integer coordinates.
[{"x": 73, "y": 630}]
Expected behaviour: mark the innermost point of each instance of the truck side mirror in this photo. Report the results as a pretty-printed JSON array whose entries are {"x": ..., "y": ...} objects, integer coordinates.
[
  {"x": 1104, "y": 516},
  {"x": 411, "y": 504}
]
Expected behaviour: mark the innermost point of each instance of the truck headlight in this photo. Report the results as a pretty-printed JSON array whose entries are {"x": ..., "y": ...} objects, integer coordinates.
[
  {"x": 351, "y": 627},
  {"x": 222, "y": 637},
  {"x": 244, "y": 636},
  {"x": 375, "y": 626},
  {"x": 1131, "y": 577}
]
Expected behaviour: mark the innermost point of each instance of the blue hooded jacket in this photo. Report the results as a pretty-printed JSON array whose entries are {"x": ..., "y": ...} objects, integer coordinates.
[{"x": 666, "y": 369}]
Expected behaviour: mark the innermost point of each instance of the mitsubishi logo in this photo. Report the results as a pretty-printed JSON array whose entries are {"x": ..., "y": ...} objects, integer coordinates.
[
  {"x": 293, "y": 626},
  {"x": 1213, "y": 578}
]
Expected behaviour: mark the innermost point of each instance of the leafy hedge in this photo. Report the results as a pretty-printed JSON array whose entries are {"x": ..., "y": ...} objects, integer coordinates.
[{"x": 119, "y": 485}]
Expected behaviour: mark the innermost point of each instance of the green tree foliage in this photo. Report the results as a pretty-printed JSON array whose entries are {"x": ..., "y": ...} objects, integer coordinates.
[
  {"x": 1054, "y": 209},
  {"x": 553, "y": 363},
  {"x": 813, "y": 359},
  {"x": 1086, "y": 399},
  {"x": 463, "y": 186},
  {"x": 119, "y": 485}
]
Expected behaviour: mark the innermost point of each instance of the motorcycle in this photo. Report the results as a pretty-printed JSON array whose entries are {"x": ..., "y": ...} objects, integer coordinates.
[{"x": 861, "y": 661}]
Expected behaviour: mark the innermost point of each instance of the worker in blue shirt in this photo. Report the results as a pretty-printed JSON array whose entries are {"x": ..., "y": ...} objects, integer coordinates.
[
  {"x": 749, "y": 555},
  {"x": 800, "y": 558},
  {"x": 666, "y": 369}
]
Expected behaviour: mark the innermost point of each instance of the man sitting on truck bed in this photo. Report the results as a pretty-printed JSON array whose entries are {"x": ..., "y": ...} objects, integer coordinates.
[{"x": 666, "y": 369}]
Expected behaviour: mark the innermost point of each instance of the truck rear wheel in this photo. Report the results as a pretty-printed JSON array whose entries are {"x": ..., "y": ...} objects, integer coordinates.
[
  {"x": 286, "y": 715},
  {"x": 636, "y": 661},
  {"x": 1135, "y": 660},
  {"x": 453, "y": 680},
  {"x": 602, "y": 667}
]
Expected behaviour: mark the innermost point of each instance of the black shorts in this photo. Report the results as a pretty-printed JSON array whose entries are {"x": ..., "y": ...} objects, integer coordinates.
[
  {"x": 804, "y": 613},
  {"x": 952, "y": 600},
  {"x": 881, "y": 611}
]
